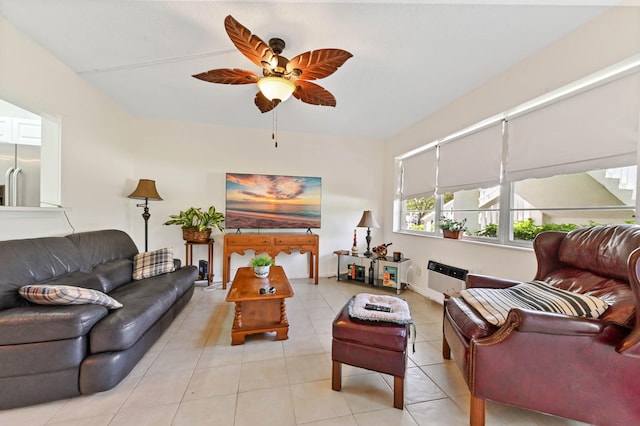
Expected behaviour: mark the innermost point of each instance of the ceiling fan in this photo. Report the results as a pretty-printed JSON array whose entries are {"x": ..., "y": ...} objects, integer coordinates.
[{"x": 281, "y": 77}]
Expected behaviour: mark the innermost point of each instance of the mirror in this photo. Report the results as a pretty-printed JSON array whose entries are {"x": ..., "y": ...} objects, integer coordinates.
[{"x": 29, "y": 158}]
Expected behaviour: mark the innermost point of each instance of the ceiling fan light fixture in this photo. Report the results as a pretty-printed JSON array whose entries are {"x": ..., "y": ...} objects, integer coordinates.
[{"x": 276, "y": 88}]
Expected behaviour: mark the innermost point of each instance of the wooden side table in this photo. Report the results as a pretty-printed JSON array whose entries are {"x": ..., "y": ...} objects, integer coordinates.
[{"x": 189, "y": 256}]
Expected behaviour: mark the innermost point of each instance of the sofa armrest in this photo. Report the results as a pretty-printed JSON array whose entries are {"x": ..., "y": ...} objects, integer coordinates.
[
  {"x": 177, "y": 263},
  {"x": 43, "y": 323},
  {"x": 486, "y": 281}
]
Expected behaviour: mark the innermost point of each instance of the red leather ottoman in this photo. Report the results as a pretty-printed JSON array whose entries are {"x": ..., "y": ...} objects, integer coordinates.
[{"x": 374, "y": 345}]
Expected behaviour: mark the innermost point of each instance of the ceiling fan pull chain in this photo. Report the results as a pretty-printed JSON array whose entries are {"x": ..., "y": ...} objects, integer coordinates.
[{"x": 274, "y": 127}]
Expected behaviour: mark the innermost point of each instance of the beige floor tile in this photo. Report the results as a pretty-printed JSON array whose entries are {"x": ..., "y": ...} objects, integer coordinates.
[
  {"x": 214, "y": 381},
  {"x": 265, "y": 407},
  {"x": 85, "y": 421},
  {"x": 159, "y": 415},
  {"x": 386, "y": 417},
  {"x": 308, "y": 368},
  {"x": 219, "y": 355},
  {"x": 302, "y": 345},
  {"x": 367, "y": 392},
  {"x": 33, "y": 415},
  {"x": 425, "y": 354},
  {"x": 448, "y": 378},
  {"x": 159, "y": 389},
  {"x": 263, "y": 374},
  {"x": 418, "y": 387},
  {"x": 175, "y": 360},
  {"x": 315, "y": 401},
  {"x": 218, "y": 410},
  {"x": 438, "y": 412},
  {"x": 336, "y": 421},
  {"x": 262, "y": 350}
]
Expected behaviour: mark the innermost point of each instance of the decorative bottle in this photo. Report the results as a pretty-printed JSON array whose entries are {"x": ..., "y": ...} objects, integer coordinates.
[
  {"x": 354, "y": 249},
  {"x": 371, "y": 273}
]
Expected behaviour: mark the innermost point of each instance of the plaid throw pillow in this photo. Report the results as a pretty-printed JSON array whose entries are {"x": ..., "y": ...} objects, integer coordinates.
[
  {"x": 43, "y": 294},
  {"x": 152, "y": 263}
]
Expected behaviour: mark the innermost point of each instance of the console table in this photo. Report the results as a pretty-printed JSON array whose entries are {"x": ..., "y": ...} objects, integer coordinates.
[{"x": 272, "y": 244}]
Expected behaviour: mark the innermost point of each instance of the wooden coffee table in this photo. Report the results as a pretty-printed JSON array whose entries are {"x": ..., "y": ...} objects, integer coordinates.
[{"x": 255, "y": 312}]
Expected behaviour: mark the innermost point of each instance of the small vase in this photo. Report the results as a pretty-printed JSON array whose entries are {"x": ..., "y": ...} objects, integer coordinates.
[
  {"x": 261, "y": 271},
  {"x": 452, "y": 234}
]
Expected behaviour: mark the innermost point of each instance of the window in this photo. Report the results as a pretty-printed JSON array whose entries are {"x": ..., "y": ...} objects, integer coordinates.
[{"x": 564, "y": 160}]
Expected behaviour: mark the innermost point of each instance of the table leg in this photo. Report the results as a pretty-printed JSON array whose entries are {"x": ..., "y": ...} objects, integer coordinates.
[{"x": 283, "y": 313}]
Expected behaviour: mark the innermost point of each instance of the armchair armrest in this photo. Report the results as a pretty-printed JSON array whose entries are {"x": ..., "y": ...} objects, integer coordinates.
[
  {"x": 527, "y": 321},
  {"x": 486, "y": 281},
  {"x": 552, "y": 323}
]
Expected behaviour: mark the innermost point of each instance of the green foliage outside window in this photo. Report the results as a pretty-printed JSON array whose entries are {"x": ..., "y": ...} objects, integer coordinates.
[{"x": 526, "y": 229}]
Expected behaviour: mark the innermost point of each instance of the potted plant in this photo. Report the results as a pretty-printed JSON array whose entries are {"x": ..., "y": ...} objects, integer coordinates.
[
  {"x": 261, "y": 265},
  {"x": 452, "y": 228},
  {"x": 196, "y": 224}
]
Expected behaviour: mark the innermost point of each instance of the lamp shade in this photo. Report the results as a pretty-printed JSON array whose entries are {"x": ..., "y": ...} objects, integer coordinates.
[
  {"x": 146, "y": 190},
  {"x": 367, "y": 220},
  {"x": 276, "y": 88}
]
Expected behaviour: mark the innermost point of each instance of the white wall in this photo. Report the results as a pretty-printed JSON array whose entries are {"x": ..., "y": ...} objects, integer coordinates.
[
  {"x": 189, "y": 163},
  {"x": 95, "y": 136},
  {"x": 105, "y": 151},
  {"x": 606, "y": 40}
]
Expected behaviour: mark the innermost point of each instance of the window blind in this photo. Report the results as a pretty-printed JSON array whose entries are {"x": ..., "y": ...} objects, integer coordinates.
[
  {"x": 471, "y": 161},
  {"x": 590, "y": 130},
  {"x": 418, "y": 175}
]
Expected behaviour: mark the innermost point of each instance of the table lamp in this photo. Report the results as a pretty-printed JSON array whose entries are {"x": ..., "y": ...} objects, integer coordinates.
[{"x": 369, "y": 222}]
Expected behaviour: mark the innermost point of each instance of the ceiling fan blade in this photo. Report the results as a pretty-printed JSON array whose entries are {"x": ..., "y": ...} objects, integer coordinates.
[
  {"x": 313, "y": 94},
  {"x": 318, "y": 64},
  {"x": 264, "y": 104},
  {"x": 228, "y": 76},
  {"x": 248, "y": 44}
]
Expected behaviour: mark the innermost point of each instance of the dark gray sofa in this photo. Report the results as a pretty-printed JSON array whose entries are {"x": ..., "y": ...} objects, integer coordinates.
[{"x": 54, "y": 352}]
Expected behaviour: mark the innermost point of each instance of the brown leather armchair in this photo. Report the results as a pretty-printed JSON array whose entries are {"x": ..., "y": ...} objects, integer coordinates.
[{"x": 580, "y": 368}]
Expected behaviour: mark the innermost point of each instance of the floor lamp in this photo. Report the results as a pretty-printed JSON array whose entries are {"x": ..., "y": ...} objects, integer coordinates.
[
  {"x": 369, "y": 222},
  {"x": 146, "y": 190}
]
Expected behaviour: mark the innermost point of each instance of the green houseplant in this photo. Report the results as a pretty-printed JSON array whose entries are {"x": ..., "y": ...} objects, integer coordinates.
[
  {"x": 261, "y": 265},
  {"x": 197, "y": 224},
  {"x": 452, "y": 228}
]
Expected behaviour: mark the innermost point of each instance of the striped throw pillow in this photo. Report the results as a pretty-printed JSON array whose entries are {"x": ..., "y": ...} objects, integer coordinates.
[
  {"x": 152, "y": 263},
  {"x": 43, "y": 294},
  {"x": 494, "y": 304}
]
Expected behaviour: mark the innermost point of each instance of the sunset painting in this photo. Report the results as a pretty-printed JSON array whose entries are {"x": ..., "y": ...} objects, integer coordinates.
[{"x": 272, "y": 201}]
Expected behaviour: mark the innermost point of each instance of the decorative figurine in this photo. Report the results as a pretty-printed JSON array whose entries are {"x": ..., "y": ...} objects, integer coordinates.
[
  {"x": 354, "y": 249},
  {"x": 381, "y": 250}
]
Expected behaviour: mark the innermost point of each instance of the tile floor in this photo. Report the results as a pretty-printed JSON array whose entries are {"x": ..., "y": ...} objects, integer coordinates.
[{"x": 193, "y": 376}]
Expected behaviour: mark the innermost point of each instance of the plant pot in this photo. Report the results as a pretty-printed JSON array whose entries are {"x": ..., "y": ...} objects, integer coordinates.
[
  {"x": 456, "y": 235},
  {"x": 192, "y": 234},
  {"x": 261, "y": 271}
]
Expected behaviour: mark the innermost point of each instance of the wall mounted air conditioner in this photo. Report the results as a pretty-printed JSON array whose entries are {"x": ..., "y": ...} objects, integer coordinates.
[{"x": 445, "y": 278}]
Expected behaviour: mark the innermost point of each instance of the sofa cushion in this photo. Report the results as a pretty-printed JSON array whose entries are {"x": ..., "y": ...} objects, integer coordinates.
[
  {"x": 32, "y": 261},
  {"x": 41, "y": 323},
  {"x": 44, "y": 294},
  {"x": 114, "y": 274},
  {"x": 144, "y": 301},
  {"x": 494, "y": 304},
  {"x": 616, "y": 293},
  {"x": 152, "y": 263}
]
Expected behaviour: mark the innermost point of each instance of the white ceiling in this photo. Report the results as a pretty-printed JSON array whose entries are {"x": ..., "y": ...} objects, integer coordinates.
[{"x": 409, "y": 58}]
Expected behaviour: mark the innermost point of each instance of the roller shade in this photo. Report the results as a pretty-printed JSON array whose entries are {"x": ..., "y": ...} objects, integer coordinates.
[
  {"x": 472, "y": 161},
  {"x": 418, "y": 175},
  {"x": 591, "y": 130}
]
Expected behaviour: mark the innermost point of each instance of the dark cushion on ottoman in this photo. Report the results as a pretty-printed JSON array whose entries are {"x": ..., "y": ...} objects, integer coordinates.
[{"x": 384, "y": 335}]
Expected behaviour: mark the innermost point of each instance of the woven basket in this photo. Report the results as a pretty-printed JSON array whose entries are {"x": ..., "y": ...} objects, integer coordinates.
[{"x": 192, "y": 234}]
